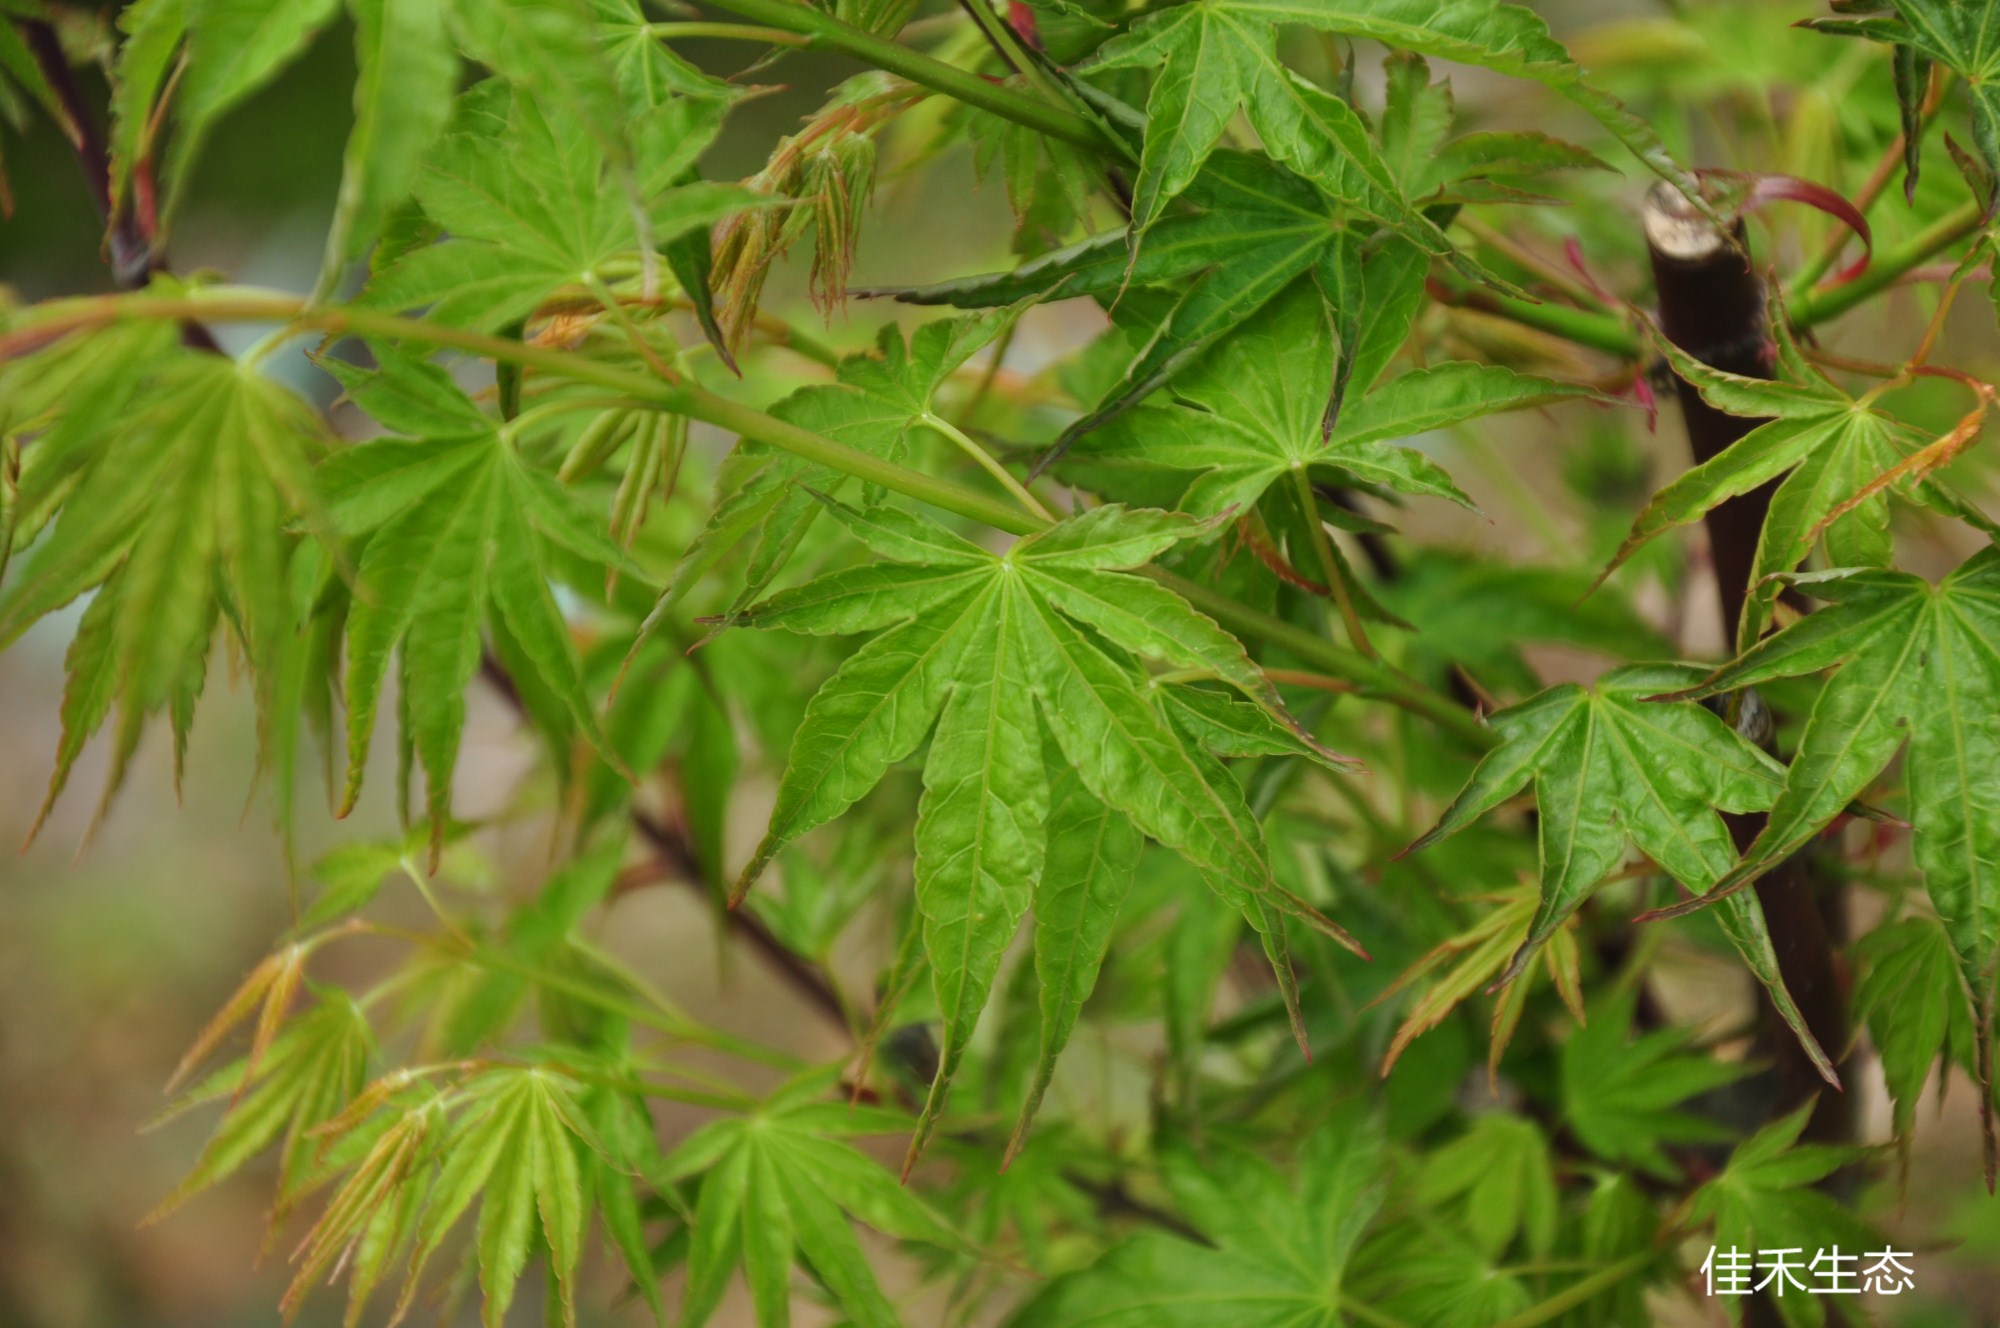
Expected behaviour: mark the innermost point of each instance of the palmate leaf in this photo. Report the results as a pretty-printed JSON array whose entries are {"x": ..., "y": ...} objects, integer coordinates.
[
  {"x": 1503, "y": 1179},
  {"x": 406, "y": 73},
  {"x": 306, "y": 1077},
  {"x": 881, "y": 403},
  {"x": 1278, "y": 1243},
  {"x": 457, "y": 527},
  {"x": 1766, "y": 1198},
  {"x": 780, "y": 1186},
  {"x": 526, "y": 191},
  {"x": 1914, "y": 662},
  {"x": 1961, "y": 35},
  {"x": 1256, "y": 230},
  {"x": 511, "y": 1139},
  {"x": 976, "y": 644},
  {"x": 1621, "y": 1094},
  {"x": 234, "y": 47},
  {"x": 1216, "y": 56},
  {"x": 1254, "y": 409},
  {"x": 174, "y": 488},
  {"x": 1908, "y": 993},
  {"x": 1609, "y": 768},
  {"x": 591, "y": 61},
  {"x": 1835, "y": 452},
  {"x": 1485, "y": 166},
  {"x": 1093, "y": 853},
  {"x": 1508, "y": 39}
]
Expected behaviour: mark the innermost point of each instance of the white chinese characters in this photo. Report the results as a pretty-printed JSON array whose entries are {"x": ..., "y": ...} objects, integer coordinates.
[{"x": 1735, "y": 1272}]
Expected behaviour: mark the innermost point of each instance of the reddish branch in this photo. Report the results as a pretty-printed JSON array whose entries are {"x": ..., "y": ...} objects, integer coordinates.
[{"x": 131, "y": 248}]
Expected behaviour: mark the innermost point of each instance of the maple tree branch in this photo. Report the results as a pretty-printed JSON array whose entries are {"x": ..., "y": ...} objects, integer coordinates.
[
  {"x": 128, "y": 246},
  {"x": 800, "y": 974},
  {"x": 1878, "y": 180},
  {"x": 1610, "y": 333},
  {"x": 1809, "y": 307},
  {"x": 1712, "y": 306},
  {"x": 51, "y": 321},
  {"x": 1816, "y": 306}
]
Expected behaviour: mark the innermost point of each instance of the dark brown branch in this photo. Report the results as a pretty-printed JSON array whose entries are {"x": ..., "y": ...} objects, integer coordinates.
[
  {"x": 129, "y": 247},
  {"x": 1712, "y": 306},
  {"x": 803, "y": 976}
]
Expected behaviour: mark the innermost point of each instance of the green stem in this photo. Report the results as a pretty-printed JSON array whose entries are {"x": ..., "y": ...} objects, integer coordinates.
[
  {"x": 829, "y": 33},
  {"x": 733, "y": 1103},
  {"x": 1002, "y": 38},
  {"x": 1527, "y": 259},
  {"x": 1606, "y": 332},
  {"x": 727, "y": 32},
  {"x": 700, "y": 404},
  {"x": 544, "y": 411},
  {"x": 1027, "y": 500},
  {"x": 1371, "y": 677},
  {"x": 1615, "y": 336},
  {"x": 1885, "y": 170},
  {"x": 1329, "y": 564},
  {"x": 1816, "y": 306},
  {"x": 1578, "y": 1292}
]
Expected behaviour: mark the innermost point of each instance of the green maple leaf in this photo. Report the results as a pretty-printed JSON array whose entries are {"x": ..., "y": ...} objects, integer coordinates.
[
  {"x": 170, "y": 477},
  {"x": 1218, "y": 55},
  {"x": 882, "y": 403},
  {"x": 307, "y": 1076},
  {"x": 526, "y": 192},
  {"x": 1961, "y": 35},
  {"x": 457, "y": 527},
  {"x": 233, "y": 48},
  {"x": 1254, "y": 410},
  {"x": 1501, "y": 1175},
  {"x": 1912, "y": 662},
  {"x": 1765, "y": 1199},
  {"x": 1621, "y": 1097},
  {"x": 779, "y": 1186},
  {"x": 405, "y": 74},
  {"x": 1277, "y": 1251},
  {"x": 1611, "y": 768},
  {"x": 976, "y": 645},
  {"x": 1908, "y": 993},
  {"x": 1482, "y": 167},
  {"x": 511, "y": 1140},
  {"x": 1256, "y": 230},
  {"x": 1841, "y": 457}
]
